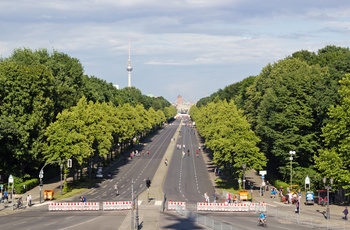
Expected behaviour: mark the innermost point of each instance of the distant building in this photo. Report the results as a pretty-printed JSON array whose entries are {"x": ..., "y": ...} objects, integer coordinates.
[{"x": 182, "y": 105}]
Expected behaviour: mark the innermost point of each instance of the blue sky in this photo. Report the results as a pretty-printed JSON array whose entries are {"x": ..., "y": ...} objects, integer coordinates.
[{"x": 190, "y": 48}]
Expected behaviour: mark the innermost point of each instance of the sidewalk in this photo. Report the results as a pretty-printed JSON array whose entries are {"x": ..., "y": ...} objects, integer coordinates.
[
  {"x": 6, "y": 209},
  {"x": 274, "y": 206},
  {"x": 309, "y": 214}
]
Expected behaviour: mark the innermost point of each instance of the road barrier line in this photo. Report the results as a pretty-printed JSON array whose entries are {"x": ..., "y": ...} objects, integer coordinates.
[
  {"x": 176, "y": 205},
  {"x": 74, "y": 206},
  {"x": 231, "y": 207}
]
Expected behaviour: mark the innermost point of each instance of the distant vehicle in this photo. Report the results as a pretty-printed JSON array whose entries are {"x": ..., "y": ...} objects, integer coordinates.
[
  {"x": 99, "y": 173},
  {"x": 309, "y": 198}
]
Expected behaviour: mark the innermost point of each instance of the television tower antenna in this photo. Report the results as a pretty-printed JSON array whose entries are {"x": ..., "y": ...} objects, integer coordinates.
[{"x": 129, "y": 67}]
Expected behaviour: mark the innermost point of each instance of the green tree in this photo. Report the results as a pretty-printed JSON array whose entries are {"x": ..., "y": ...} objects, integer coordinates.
[
  {"x": 334, "y": 160},
  {"x": 25, "y": 110},
  {"x": 228, "y": 134}
]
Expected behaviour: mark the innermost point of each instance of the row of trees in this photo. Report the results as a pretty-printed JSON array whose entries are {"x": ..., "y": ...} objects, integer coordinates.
[
  {"x": 297, "y": 104},
  {"x": 229, "y": 135},
  {"x": 88, "y": 132},
  {"x": 40, "y": 90}
]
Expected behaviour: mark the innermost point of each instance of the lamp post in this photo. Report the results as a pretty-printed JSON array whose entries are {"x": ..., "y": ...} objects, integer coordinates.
[
  {"x": 61, "y": 167},
  {"x": 244, "y": 167},
  {"x": 291, "y": 167},
  {"x": 41, "y": 175},
  {"x": 328, "y": 187},
  {"x": 11, "y": 181}
]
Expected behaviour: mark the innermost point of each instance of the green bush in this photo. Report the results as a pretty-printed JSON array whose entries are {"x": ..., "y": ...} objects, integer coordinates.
[
  {"x": 26, "y": 185},
  {"x": 284, "y": 185}
]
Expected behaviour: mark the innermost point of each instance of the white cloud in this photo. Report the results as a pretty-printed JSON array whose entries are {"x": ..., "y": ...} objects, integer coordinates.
[{"x": 192, "y": 40}]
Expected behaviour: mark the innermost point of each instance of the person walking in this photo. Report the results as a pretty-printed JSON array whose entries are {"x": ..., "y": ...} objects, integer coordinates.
[
  {"x": 116, "y": 189},
  {"x": 215, "y": 197},
  {"x": 28, "y": 201},
  {"x": 206, "y": 198},
  {"x": 228, "y": 197},
  {"x": 345, "y": 212}
]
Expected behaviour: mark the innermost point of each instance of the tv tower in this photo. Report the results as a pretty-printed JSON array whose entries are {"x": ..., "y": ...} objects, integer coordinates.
[{"x": 129, "y": 68}]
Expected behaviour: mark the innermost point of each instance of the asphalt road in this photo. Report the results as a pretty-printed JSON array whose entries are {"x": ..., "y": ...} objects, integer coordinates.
[
  {"x": 137, "y": 170},
  {"x": 44, "y": 220},
  {"x": 187, "y": 179}
]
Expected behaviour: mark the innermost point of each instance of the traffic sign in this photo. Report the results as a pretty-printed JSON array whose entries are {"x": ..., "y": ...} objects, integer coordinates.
[{"x": 11, "y": 179}]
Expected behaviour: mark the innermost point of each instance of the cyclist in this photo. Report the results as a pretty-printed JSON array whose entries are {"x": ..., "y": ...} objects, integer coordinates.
[
  {"x": 262, "y": 218},
  {"x": 19, "y": 202}
]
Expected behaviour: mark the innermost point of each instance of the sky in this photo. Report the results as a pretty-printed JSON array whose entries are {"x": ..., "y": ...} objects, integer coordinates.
[{"x": 190, "y": 48}]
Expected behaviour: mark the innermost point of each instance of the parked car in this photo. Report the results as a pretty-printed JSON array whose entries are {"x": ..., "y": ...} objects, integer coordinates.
[{"x": 99, "y": 173}]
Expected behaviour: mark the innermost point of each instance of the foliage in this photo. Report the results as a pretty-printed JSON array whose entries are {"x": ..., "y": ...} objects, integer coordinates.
[
  {"x": 334, "y": 160},
  {"x": 287, "y": 106},
  {"x": 229, "y": 136},
  {"x": 36, "y": 88}
]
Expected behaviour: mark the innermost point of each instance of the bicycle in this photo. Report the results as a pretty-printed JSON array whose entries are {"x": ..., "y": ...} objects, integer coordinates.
[
  {"x": 262, "y": 222},
  {"x": 19, "y": 205}
]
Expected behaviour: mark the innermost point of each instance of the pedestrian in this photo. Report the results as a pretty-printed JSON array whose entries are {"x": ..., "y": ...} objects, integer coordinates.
[
  {"x": 345, "y": 213},
  {"x": 6, "y": 196},
  {"x": 166, "y": 162},
  {"x": 297, "y": 207},
  {"x": 28, "y": 200},
  {"x": 206, "y": 197},
  {"x": 116, "y": 189},
  {"x": 228, "y": 197},
  {"x": 215, "y": 197}
]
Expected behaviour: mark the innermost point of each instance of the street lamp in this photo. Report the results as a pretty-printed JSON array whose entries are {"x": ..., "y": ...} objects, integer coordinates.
[
  {"x": 244, "y": 167},
  {"x": 328, "y": 187},
  {"x": 11, "y": 181},
  {"x": 291, "y": 169},
  {"x": 41, "y": 175}
]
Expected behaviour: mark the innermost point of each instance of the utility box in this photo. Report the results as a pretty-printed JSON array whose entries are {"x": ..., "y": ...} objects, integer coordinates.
[
  {"x": 243, "y": 195},
  {"x": 48, "y": 194}
]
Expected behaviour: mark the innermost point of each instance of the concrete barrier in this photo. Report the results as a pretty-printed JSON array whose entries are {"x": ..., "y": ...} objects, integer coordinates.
[
  {"x": 74, "y": 206},
  {"x": 231, "y": 207},
  {"x": 176, "y": 205},
  {"x": 117, "y": 205}
]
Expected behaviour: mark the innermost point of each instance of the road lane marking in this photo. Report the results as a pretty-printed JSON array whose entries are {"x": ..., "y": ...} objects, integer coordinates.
[{"x": 73, "y": 226}]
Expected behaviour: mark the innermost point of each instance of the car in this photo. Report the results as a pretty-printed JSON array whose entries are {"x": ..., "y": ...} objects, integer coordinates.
[{"x": 99, "y": 173}]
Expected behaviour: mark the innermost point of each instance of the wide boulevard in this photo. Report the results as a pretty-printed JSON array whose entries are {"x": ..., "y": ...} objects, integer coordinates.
[{"x": 185, "y": 179}]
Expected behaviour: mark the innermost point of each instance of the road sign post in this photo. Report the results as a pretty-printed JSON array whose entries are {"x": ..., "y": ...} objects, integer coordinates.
[
  {"x": 41, "y": 175},
  {"x": 262, "y": 174},
  {"x": 11, "y": 182}
]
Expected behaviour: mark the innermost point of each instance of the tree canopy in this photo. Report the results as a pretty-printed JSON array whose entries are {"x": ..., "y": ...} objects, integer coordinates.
[
  {"x": 293, "y": 104},
  {"x": 51, "y": 110}
]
